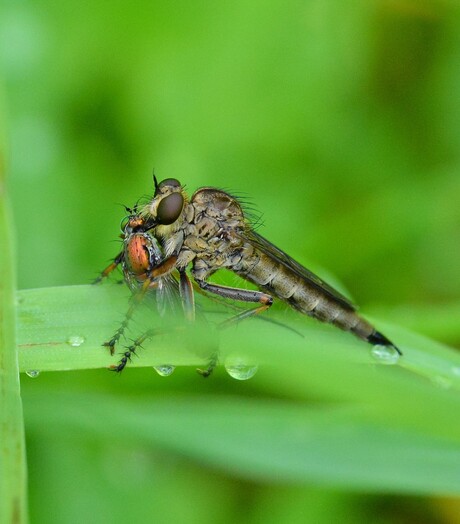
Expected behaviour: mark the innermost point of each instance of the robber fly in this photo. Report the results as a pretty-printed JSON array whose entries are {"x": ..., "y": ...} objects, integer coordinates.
[{"x": 209, "y": 231}]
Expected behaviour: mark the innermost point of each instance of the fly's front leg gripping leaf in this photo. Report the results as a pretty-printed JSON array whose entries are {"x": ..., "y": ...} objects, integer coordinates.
[
  {"x": 131, "y": 350},
  {"x": 162, "y": 269}
]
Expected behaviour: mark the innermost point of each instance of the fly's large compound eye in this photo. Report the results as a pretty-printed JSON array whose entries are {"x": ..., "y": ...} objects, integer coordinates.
[
  {"x": 171, "y": 182},
  {"x": 170, "y": 208}
]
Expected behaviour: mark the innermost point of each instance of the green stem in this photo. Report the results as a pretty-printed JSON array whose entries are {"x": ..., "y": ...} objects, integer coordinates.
[{"x": 13, "y": 476}]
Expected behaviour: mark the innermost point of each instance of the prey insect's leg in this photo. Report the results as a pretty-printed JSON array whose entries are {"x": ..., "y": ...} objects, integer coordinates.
[
  {"x": 244, "y": 295},
  {"x": 106, "y": 272}
]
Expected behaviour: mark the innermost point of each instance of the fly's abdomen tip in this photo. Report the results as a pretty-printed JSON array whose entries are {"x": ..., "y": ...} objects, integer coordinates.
[{"x": 378, "y": 338}]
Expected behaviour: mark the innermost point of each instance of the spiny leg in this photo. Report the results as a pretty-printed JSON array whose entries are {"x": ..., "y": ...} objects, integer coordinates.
[
  {"x": 242, "y": 314},
  {"x": 131, "y": 350},
  {"x": 162, "y": 269},
  {"x": 215, "y": 299},
  {"x": 106, "y": 272},
  {"x": 121, "y": 330},
  {"x": 248, "y": 313},
  {"x": 244, "y": 295}
]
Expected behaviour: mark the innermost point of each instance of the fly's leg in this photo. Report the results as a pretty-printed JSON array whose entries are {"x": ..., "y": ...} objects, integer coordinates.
[
  {"x": 124, "y": 325},
  {"x": 212, "y": 364},
  {"x": 165, "y": 267},
  {"x": 130, "y": 351},
  {"x": 188, "y": 303},
  {"x": 106, "y": 272},
  {"x": 243, "y": 314},
  {"x": 186, "y": 293},
  {"x": 244, "y": 295}
]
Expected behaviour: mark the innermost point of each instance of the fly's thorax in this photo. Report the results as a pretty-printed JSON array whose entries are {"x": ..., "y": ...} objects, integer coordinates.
[{"x": 218, "y": 205}]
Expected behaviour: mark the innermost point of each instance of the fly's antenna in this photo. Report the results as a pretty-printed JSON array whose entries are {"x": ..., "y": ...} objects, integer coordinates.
[
  {"x": 155, "y": 181},
  {"x": 135, "y": 208}
]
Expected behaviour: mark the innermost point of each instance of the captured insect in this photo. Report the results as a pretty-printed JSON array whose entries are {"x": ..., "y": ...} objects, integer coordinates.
[
  {"x": 209, "y": 231},
  {"x": 141, "y": 253}
]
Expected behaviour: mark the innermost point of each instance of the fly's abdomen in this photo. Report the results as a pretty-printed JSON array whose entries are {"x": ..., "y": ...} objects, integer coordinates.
[{"x": 278, "y": 280}]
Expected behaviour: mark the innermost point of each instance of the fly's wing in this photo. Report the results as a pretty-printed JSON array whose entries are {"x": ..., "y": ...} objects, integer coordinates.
[
  {"x": 283, "y": 258},
  {"x": 167, "y": 295}
]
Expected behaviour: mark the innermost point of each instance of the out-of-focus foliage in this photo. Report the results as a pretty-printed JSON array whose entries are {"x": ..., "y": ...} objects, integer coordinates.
[{"x": 338, "y": 120}]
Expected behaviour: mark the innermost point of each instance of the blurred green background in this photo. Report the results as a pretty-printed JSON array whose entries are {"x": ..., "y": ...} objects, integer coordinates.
[{"x": 339, "y": 120}]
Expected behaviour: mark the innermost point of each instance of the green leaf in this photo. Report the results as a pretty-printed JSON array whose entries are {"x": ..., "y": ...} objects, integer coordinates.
[{"x": 375, "y": 427}]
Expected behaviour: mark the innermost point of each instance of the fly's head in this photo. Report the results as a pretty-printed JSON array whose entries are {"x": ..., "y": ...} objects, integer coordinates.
[{"x": 165, "y": 211}]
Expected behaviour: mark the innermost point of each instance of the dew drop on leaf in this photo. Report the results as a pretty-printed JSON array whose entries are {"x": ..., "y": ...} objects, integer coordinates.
[
  {"x": 165, "y": 370},
  {"x": 75, "y": 341},
  {"x": 385, "y": 354},
  {"x": 240, "y": 369}
]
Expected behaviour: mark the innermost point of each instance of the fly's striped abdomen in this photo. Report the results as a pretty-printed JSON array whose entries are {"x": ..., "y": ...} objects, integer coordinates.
[{"x": 278, "y": 280}]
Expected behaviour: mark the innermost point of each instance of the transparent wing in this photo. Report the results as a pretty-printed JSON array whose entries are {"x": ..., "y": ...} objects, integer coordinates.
[
  {"x": 283, "y": 258},
  {"x": 167, "y": 295}
]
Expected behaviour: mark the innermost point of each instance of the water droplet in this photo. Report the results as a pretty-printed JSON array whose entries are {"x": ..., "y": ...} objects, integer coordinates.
[
  {"x": 165, "y": 370},
  {"x": 442, "y": 381},
  {"x": 385, "y": 354},
  {"x": 240, "y": 369},
  {"x": 75, "y": 341},
  {"x": 33, "y": 373}
]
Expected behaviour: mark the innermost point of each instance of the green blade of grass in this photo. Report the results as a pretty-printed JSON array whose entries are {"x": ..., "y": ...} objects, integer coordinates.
[
  {"x": 13, "y": 506},
  {"x": 64, "y": 328},
  {"x": 421, "y": 391}
]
